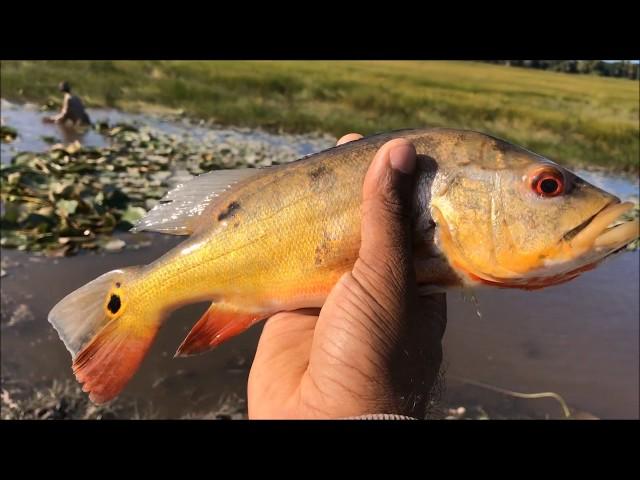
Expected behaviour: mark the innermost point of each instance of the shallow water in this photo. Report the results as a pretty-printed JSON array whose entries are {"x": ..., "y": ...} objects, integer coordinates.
[
  {"x": 27, "y": 120},
  {"x": 580, "y": 340}
]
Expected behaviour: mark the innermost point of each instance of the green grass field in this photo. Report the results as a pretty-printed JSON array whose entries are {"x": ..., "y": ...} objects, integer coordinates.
[{"x": 573, "y": 119}]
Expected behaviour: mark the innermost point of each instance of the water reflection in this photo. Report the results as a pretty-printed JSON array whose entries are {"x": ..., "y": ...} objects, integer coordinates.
[{"x": 70, "y": 133}]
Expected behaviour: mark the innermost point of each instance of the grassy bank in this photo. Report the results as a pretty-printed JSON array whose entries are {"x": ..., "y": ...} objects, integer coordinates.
[{"x": 577, "y": 120}]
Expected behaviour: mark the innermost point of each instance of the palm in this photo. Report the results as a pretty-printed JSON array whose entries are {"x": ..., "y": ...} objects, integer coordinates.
[{"x": 333, "y": 365}]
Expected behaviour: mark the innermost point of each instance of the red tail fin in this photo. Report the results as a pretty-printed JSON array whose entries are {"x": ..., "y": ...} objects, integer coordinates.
[
  {"x": 106, "y": 337},
  {"x": 109, "y": 361}
]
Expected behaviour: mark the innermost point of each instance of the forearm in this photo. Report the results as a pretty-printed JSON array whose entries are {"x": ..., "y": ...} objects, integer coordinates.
[
  {"x": 61, "y": 117},
  {"x": 381, "y": 416},
  {"x": 64, "y": 112}
]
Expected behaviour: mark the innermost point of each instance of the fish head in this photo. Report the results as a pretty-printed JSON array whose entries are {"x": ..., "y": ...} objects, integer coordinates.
[{"x": 512, "y": 218}]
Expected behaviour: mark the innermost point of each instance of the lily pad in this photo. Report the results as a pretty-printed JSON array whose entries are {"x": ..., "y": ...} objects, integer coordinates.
[
  {"x": 72, "y": 197},
  {"x": 133, "y": 214},
  {"x": 67, "y": 207},
  {"x": 8, "y": 134},
  {"x": 114, "y": 245}
]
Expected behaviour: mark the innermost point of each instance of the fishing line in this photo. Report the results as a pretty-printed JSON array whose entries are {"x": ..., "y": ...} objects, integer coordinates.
[
  {"x": 468, "y": 295},
  {"x": 563, "y": 404}
]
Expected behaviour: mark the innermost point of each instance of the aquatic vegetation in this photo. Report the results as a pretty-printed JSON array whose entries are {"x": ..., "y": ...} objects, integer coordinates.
[
  {"x": 62, "y": 401},
  {"x": 230, "y": 406},
  {"x": 73, "y": 197},
  {"x": 8, "y": 134}
]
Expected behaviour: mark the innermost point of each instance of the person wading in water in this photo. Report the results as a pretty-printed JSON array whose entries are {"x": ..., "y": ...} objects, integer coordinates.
[{"x": 72, "y": 109}]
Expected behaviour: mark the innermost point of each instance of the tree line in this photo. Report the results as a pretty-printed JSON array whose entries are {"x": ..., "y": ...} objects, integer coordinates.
[{"x": 622, "y": 69}]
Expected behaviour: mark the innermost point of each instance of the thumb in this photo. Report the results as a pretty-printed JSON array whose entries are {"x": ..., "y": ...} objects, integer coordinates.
[{"x": 385, "y": 259}]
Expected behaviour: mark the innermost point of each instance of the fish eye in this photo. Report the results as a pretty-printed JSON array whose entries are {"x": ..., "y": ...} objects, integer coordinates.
[{"x": 548, "y": 182}]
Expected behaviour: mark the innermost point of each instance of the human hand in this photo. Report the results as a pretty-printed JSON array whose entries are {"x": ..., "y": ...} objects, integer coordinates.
[{"x": 375, "y": 347}]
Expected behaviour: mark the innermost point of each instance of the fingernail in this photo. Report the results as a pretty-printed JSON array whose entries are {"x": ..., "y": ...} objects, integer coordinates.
[{"x": 403, "y": 158}]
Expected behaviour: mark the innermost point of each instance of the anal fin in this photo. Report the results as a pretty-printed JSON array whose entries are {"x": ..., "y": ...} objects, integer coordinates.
[{"x": 218, "y": 324}]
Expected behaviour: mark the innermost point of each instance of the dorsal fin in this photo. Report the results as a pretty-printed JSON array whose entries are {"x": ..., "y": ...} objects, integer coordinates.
[{"x": 179, "y": 211}]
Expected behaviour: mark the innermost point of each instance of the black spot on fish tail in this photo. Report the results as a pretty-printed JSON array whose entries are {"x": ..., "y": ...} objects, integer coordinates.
[
  {"x": 114, "y": 304},
  {"x": 230, "y": 210}
]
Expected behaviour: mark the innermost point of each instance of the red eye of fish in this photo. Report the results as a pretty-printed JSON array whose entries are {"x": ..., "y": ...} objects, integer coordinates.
[{"x": 548, "y": 183}]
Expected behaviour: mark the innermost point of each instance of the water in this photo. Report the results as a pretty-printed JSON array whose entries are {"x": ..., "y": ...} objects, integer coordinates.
[
  {"x": 27, "y": 119},
  {"x": 31, "y": 349},
  {"x": 580, "y": 340}
]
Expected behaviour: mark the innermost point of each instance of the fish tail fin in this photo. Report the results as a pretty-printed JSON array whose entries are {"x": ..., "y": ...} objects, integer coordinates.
[{"x": 106, "y": 332}]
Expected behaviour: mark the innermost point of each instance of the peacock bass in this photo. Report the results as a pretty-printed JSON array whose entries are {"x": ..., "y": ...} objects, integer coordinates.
[{"x": 273, "y": 239}]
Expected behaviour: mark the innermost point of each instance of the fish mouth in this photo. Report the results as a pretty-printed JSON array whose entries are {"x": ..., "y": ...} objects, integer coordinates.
[
  {"x": 606, "y": 230},
  {"x": 599, "y": 237},
  {"x": 581, "y": 249}
]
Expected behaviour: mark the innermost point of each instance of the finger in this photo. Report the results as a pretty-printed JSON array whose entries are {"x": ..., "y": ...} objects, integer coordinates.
[
  {"x": 364, "y": 318},
  {"x": 350, "y": 137},
  {"x": 385, "y": 251}
]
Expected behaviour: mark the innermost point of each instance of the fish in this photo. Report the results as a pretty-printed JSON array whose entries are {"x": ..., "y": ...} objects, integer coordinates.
[{"x": 485, "y": 212}]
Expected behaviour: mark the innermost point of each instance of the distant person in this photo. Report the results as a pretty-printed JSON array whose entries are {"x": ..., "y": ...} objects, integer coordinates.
[{"x": 72, "y": 108}]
